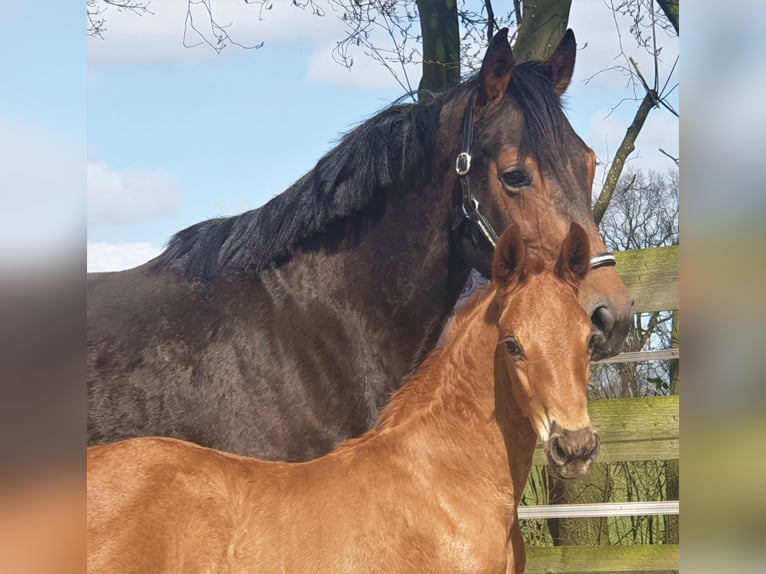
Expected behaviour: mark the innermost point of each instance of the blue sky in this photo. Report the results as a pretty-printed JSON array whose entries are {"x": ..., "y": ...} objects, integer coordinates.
[{"x": 177, "y": 135}]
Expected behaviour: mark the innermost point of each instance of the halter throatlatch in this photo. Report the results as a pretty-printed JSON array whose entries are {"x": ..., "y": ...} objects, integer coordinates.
[{"x": 470, "y": 205}]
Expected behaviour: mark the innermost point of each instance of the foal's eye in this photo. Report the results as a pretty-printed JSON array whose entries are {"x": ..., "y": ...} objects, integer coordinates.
[
  {"x": 516, "y": 178},
  {"x": 512, "y": 345}
]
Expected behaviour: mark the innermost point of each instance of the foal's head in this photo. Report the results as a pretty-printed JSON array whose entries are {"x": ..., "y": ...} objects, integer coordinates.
[{"x": 545, "y": 346}]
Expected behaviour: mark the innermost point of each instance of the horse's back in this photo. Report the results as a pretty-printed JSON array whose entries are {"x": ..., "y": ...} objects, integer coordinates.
[
  {"x": 125, "y": 334},
  {"x": 264, "y": 366},
  {"x": 147, "y": 335}
]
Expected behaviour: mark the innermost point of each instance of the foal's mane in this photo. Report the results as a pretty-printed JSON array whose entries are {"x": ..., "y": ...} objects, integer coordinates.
[
  {"x": 413, "y": 398},
  {"x": 413, "y": 394},
  {"x": 396, "y": 146}
]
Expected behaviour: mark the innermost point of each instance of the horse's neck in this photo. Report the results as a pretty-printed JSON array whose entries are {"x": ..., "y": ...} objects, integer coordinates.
[
  {"x": 403, "y": 276},
  {"x": 406, "y": 256},
  {"x": 458, "y": 420}
]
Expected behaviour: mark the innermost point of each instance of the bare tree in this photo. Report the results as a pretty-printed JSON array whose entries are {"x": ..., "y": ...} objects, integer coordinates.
[
  {"x": 644, "y": 30},
  {"x": 643, "y": 213}
]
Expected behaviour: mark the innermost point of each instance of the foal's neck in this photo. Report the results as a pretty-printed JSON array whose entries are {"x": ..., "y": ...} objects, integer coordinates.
[{"x": 455, "y": 415}]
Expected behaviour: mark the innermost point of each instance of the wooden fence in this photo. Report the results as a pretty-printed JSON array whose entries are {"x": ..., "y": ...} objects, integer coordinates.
[{"x": 631, "y": 430}]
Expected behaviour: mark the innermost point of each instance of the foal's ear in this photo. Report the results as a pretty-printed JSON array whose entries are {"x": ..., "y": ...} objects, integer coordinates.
[
  {"x": 574, "y": 260},
  {"x": 495, "y": 74},
  {"x": 561, "y": 63},
  {"x": 510, "y": 257}
]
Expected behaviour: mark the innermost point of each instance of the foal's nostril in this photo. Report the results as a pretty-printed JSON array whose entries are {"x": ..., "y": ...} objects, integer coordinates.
[
  {"x": 558, "y": 450},
  {"x": 603, "y": 319}
]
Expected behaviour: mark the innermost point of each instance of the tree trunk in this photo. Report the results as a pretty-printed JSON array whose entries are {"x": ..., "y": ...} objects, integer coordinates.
[
  {"x": 441, "y": 45},
  {"x": 542, "y": 26},
  {"x": 593, "y": 488},
  {"x": 670, "y": 8}
]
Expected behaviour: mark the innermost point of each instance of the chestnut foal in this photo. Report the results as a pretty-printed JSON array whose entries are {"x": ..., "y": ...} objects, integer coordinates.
[{"x": 432, "y": 488}]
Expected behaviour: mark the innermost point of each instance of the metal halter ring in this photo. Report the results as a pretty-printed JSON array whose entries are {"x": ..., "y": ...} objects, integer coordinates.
[
  {"x": 463, "y": 163},
  {"x": 602, "y": 260}
]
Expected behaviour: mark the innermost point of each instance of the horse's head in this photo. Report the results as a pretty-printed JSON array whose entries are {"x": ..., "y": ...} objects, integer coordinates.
[
  {"x": 546, "y": 341},
  {"x": 522, "y": 162}
]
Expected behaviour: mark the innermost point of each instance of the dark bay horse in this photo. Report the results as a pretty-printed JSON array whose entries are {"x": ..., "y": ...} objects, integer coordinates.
[
  {"x": 434, "y": 487},
  {"x": 281, "y": 331}
]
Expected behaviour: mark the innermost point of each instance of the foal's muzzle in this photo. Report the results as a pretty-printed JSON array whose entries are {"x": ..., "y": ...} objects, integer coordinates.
[{"x": 570, "y": 453}]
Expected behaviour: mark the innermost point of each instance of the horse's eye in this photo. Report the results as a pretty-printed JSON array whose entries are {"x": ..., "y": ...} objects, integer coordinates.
[
  {"x": 516, "y": 178},
  {"x": 513, "y": 347}
]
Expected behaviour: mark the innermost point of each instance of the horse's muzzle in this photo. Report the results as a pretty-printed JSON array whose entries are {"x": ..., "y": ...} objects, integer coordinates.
[{"x": 612, "y": 326}]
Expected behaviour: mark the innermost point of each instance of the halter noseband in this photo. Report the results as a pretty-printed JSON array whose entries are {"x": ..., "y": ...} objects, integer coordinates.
[{"x": 470, "y": 205}]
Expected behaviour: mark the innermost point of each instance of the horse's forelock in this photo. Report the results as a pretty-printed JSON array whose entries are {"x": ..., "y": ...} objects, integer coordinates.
[{"x": 545, "y": 124}]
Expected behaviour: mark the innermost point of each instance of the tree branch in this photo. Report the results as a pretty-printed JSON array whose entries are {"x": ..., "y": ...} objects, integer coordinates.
[
  {"x": 490, "y": 20},
  {"x": 675, "y": 159},
  {"x": 220, "y": 36},
  {"x": 96, "y": 8},
  {"x": 626, "y": 148}
]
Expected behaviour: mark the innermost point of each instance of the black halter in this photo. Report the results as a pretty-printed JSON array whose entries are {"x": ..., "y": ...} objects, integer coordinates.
[{"x": 470, "y": 206}]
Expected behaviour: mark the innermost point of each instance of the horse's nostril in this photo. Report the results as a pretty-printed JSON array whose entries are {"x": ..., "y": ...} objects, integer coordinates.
[{"x": 603, "y": 319}]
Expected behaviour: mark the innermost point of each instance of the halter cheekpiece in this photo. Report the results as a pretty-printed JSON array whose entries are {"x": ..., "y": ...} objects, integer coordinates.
[{"x": 470, "y": 205}]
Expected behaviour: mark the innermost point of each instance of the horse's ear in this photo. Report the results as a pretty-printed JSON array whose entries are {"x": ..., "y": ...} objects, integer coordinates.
[
  {"x": 496, "y": 69},
  {"x": 574, "y": 260},
  {"x": 510, "y": 257},
  {"x": 561, "y": 63}
]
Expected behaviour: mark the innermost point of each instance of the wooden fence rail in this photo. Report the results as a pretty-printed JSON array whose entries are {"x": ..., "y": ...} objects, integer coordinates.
[
  {"x": 633, "y": 429},
  {"x": 651, "y": 276},
  {"x": 655, "y": 558}
]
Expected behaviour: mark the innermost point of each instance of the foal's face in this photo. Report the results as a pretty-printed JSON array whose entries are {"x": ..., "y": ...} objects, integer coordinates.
[{"x": 546, "y": 341}]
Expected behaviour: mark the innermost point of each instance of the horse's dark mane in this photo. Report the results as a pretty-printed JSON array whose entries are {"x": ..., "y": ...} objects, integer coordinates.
[
  {"x": 385, "y": 150},
  {"x": 391, "y": 147}
]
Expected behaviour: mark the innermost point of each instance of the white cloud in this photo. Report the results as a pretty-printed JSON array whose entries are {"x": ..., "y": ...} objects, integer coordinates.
[
  {"x": 158, "y": 38},
  {"x": 120, "y": 197},
  {"x": 364, "y": 74},
  {"x": 116, "y": 257}
]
